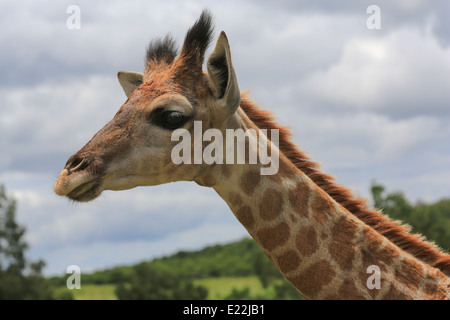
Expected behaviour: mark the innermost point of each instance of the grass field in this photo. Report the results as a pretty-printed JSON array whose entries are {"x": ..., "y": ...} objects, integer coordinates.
[
  {"x": 218, "y": 288},
  {"x": 93, "y": 292}
]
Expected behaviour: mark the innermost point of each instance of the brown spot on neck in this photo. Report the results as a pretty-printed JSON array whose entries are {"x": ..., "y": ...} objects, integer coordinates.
[
  {"x": 245, "y": 216},
  {"x": 298, "y": 198},
  {"x": 271, "y": 205},
  {"x": 410, "y": 274},
  {"x": 235, "y": 199},
  {"x": 306, "y": 241},
  {"x": 273, "y": 237},
  {"x": 342, "y": 248},
  {"x": 311, "y": 281},
  {"x": 288, "y": 261},
  {"x": 321, "y": 206},
  {"x": 249, "y": 181},
  {"x": 348, "y": 291}
]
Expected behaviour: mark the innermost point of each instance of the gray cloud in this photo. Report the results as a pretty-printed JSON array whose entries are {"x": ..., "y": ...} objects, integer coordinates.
[
  {"x": 403, "y": 74},
  {"x": 395, "y": 14}
]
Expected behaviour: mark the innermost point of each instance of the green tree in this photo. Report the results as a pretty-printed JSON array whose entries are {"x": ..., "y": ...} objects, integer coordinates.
[
  {"x": 286, "y": 291},
  {"x": 19, "y": 278},
  {"x": 149, "y": 283},
  {"x": 265, "y": 270},
  {"x": 394, "y": 204},
  {"x": 431, "y": 220},
  {"x": 239, "y": 294}
]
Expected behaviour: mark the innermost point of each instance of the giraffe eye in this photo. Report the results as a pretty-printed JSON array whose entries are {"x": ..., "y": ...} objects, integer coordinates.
[{"x": 172, "y": 119}]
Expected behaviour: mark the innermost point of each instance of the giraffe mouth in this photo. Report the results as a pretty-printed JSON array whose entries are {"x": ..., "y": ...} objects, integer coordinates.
[
  {"x": 86, "y": 192},
  {"x": 79, "y": 186}
]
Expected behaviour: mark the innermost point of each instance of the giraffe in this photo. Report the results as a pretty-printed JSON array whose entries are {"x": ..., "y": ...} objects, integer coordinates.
[{"x": 319, "y": 236}]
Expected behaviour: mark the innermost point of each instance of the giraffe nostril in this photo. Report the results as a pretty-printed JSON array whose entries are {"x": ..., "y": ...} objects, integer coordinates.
[{"x": 78, "y": 164}]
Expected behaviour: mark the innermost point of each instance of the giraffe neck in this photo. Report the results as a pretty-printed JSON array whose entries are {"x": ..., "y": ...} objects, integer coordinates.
[{"x": 323, "y": 250}]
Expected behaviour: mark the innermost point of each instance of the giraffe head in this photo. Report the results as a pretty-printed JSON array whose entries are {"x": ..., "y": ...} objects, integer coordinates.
[{"x": 134, "y": 148}]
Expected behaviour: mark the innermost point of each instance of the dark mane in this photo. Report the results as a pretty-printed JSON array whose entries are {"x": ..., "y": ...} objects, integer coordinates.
[
  {"x": 162, "y": 50},
  {"x": 393, "y": 230}
]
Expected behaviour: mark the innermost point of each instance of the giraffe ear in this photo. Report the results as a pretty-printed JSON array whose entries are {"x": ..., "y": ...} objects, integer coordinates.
[
  {"x": 130, "y": 80},
  {"x": 221, "y": 77}
]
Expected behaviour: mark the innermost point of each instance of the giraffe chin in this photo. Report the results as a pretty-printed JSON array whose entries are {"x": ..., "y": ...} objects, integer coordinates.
[{"x": 86, "y": 192}]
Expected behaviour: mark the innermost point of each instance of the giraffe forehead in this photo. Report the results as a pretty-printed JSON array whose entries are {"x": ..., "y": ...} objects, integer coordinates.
[
  {"x": 149, "y": 96},
  {"x": 152, "y": 91},
  {"x": 168, "y": 87}
]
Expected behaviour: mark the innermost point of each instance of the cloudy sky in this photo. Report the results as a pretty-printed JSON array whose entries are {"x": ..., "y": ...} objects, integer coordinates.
[{"x": 366, "y": 103}]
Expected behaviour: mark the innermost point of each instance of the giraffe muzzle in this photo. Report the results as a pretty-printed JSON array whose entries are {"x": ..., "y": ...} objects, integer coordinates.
[{"x": 81, "y": 179}]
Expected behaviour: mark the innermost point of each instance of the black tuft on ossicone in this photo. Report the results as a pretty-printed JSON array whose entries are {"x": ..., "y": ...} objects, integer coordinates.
[
  {"x": 198, "y": 38},
  {"x": 162, "y": 50},
  {"x": 196, "y": 42},
  {"x": 200, "y": 34}
]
